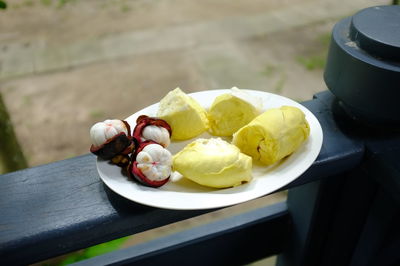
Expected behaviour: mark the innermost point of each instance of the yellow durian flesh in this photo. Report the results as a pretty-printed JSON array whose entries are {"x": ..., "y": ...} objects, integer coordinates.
[
  {"x": 186, "y": 117},
  {"x": 213, "y": 163},
  {"x": 229, "y": 113},
  {"x": 273, "y": 135}
]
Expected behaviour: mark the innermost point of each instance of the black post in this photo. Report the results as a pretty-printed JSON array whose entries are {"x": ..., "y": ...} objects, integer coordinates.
[{"x": 353, "y": 219}]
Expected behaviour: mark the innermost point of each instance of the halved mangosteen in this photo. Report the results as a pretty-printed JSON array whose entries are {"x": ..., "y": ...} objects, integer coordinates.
[
  {"x": 112, "y": 140},
  {"x": 152, "y": 128},
  {"x": 151, "y": 164}
]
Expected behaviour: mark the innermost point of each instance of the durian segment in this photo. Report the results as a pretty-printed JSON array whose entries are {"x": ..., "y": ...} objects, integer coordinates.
[
  {"x": 231, "y": 111},
  {"x": 213, "y": 163},
  {"x": 186, "y": 117},
  {"x": 273, "y": 135}
]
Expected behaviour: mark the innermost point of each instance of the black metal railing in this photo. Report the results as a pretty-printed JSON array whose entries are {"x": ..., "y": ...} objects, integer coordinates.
[{"x": 60, "y": 207}]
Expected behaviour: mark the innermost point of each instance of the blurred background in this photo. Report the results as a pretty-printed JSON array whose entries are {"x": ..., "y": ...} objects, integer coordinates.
[{"x": 66, "y": 64}]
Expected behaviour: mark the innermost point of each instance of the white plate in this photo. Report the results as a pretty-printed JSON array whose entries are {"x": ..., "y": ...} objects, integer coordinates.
[{"x": 186, "y": 195}]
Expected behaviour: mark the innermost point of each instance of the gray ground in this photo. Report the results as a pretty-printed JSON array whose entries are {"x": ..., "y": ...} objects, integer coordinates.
[{"x": 65, "y": 67}]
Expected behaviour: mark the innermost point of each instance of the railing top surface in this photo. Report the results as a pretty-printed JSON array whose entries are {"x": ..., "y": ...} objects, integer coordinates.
[{"x": 63, "y": 206}]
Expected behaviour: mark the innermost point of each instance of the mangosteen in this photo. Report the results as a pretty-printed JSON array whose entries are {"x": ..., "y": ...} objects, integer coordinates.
[
  {"x": 112, "y": 140},
  {"x": 151, "y": 164},
  {"x": 152, "y": 128}
]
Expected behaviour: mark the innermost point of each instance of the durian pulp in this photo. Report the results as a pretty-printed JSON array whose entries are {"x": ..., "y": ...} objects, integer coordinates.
[
  {"x": 186, "y": 117},
  {"x": 273, "y": 135},
  {"x": 213, "y": 163},
  {"x": 231, "y": 111}
]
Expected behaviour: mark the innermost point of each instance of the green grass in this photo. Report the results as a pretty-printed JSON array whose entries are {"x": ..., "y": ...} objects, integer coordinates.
[
  {"x": 29, "y": 3},
  {"x": 62, "y": 3},
  {"x": 27, "y": 100},
  {"x": 316, "y": 59},
  {"x": 97, "y": 114},
  {"x": 3, "y": 4},
  {"x": 324, "y": 39},
  {"x": 2, "y": 168},
  {"x": 46, "y": 2},
  {"x": 58, "y": 3},
  {"x": 269, "y": 70},
  {"x": 280, "y": 84},
  {"x": 276, "y": 71},
  {"x": 125, "y": 8},
  {"x": 94, "y": 251},
  {"x": 312, "y": 62}
]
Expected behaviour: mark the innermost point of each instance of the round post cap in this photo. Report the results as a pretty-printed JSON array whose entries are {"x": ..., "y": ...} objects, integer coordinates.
[{"x": 363, "y": 66}]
